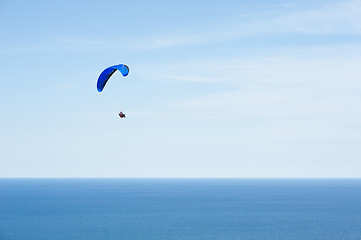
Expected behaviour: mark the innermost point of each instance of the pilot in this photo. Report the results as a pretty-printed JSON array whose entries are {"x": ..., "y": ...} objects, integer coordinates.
[{"x": 122, "y": 115}]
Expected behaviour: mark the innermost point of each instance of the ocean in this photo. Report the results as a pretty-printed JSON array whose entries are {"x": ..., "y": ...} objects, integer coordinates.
[{"x": 180, "y": 209}]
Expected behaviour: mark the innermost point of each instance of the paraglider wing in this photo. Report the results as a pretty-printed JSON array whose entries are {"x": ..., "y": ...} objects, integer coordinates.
[{"x": 108, "y": 72}]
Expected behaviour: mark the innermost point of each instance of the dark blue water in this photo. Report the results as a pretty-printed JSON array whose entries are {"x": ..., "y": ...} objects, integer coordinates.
[{"x": 175, "y": 209}]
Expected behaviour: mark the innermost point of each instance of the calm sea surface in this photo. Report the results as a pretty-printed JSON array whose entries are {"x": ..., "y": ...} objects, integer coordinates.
[{"x": 176, "y": 209}]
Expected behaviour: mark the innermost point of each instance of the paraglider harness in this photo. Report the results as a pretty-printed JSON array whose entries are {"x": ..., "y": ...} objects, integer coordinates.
[{"x": 122, "y": 115}]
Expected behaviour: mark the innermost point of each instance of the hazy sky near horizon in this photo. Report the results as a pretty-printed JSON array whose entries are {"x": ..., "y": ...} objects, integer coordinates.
[{"x": 216, "y": 89}]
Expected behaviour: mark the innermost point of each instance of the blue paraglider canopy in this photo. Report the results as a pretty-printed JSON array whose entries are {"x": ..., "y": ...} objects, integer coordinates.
[{"x": 108, "y": 72}]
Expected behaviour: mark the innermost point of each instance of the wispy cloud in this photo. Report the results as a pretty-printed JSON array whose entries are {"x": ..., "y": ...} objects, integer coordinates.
[
  {"x": 343, "y": 17},
  {"x": 175, "y": 39},
  {"x": 297, "y": 87},
  {"x": 337, "y": 18},
  {"x": 309, "y": 65},
  {"x": 340, "y": 18}
]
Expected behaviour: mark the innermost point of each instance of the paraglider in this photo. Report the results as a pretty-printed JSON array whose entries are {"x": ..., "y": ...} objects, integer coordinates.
[{"x": 107, "y": 73}]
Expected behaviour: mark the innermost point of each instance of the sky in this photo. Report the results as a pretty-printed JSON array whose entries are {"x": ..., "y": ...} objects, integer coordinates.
[{"x": 216, "y": 89}]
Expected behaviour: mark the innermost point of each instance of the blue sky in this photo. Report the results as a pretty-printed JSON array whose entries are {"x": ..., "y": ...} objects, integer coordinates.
[{"x": 216, "y": 89}]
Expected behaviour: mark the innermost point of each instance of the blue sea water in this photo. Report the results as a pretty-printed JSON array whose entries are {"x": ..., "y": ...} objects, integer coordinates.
[{"x": 180, "y": 209}]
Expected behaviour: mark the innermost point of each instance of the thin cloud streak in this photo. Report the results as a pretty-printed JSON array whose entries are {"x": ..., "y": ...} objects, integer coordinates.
[{"x": 339, "y": 18}]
